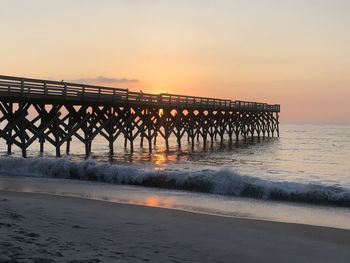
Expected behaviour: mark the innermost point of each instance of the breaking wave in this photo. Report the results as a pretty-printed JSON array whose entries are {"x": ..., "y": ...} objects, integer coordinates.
[{"x": 225, "y": 181}]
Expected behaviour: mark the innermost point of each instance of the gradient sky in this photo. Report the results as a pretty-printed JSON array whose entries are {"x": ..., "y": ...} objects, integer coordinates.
[{"x": 296, "y": 52}]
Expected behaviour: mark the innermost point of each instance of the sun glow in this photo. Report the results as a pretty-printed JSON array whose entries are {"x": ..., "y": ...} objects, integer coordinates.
[
  {"x": 152, "y": 201},
  {"x": 159, "y": 159},
  {"x": 157, "y": 201}
]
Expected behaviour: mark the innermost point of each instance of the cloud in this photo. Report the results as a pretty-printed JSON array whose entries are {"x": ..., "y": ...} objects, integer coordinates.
[{"x": 102, "y": 80}]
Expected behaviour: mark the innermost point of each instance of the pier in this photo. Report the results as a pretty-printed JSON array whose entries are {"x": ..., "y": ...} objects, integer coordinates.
[{"x": 45, "y": 111}]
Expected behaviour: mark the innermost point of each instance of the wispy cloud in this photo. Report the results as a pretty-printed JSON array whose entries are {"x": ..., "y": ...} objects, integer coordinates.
[{"x": 102, "y": 80}]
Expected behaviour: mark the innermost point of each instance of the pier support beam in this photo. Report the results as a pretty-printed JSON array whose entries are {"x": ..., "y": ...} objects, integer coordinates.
[{"x": 57, "y": 123}]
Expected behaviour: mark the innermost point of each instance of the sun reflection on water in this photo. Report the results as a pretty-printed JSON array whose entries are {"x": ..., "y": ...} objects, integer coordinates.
[
  {"x": 154, "y": 201},
  {"x": 159, "y": 158}
]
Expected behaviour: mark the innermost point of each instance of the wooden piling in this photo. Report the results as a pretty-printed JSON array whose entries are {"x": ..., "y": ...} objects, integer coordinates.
[{"x": 85, "y": 111}]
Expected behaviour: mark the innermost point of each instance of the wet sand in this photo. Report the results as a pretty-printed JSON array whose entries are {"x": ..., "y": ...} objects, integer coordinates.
[{"x": 46, "y": 228}]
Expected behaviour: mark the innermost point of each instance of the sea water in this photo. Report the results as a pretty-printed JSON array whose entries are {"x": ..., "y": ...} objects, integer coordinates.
[{"x": 306, "y": 167}]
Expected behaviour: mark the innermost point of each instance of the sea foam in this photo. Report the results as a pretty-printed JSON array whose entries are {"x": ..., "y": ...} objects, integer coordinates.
[{"x": 224, "y": 181}]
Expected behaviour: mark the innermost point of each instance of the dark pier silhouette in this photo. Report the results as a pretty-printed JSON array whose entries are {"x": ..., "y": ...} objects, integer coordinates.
[{"x": 54, "y": 112}]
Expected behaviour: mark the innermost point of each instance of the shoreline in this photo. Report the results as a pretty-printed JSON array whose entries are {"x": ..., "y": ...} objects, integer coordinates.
[
  {"x": 217, "y": 205},
  {"x": 65, "y": 228},
  {"x": 192, "y": 211}
]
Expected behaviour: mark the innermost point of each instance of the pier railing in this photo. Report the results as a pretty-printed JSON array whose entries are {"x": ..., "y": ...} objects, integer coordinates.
[{"x": 28, "y": 88}]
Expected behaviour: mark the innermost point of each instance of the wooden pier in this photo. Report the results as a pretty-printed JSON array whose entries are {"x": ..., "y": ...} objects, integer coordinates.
[{"x": 54, "y": 112}]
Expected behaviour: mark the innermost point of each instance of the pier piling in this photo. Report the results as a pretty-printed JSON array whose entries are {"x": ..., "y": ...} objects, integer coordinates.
[{"x": 56, "y": 112}]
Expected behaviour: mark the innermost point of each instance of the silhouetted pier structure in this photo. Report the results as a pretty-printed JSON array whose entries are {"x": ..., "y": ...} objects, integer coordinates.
[{"x": 55, "y": 112}]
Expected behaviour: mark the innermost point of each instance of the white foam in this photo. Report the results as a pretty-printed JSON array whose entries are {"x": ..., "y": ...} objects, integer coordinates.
[{"x": 225, "y": 180}]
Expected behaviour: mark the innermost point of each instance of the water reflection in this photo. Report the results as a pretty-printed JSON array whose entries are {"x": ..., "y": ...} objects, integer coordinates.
[
  {"x": 160, "y": 156},
  {"x": 155, "y": 201},
  {"x": 303, "y": 153}
]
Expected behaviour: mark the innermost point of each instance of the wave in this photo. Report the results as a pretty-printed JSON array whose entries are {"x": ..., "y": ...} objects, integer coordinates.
[{"x": 225, "y": 181}]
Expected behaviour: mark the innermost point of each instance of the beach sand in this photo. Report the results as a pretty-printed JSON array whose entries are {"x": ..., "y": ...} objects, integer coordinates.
[{"x": 46, "y": 228}]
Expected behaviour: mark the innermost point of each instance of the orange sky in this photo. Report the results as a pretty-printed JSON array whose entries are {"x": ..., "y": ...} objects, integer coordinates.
[{"x": 295, "y": 53}]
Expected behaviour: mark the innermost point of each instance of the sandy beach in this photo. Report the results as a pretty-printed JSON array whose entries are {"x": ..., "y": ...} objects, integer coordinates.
[{"x": 46, "y": 228}]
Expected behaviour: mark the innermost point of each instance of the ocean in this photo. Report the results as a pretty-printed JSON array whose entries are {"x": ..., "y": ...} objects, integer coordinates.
[{"x": 303, "y": 172}]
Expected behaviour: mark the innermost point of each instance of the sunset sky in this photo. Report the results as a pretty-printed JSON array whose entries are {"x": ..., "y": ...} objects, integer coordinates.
[{"x": 296, "y": 52}]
